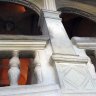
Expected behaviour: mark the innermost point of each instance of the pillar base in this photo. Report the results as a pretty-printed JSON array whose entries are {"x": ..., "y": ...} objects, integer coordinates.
[{"x": 73, "y": 73}]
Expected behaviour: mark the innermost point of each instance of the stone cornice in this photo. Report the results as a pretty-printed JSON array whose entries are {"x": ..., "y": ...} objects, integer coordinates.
[
  {"x": 32, "y": 43},
  {"x": 61, "y": 58},
  {"x": 50, "y": 14},
  {"x": 85, "y": 42}
]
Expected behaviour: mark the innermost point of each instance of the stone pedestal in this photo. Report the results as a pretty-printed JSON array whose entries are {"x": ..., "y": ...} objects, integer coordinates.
[
  {"x": 37, "y": 70},
  {"x": 71, "y": 68}
]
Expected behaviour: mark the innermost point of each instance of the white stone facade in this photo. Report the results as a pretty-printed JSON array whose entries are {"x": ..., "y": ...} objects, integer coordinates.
[{"x": 61, "y": 65}]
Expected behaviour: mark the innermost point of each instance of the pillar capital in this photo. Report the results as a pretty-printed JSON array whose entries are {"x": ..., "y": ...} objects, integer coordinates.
[{"x": 50, "y": 14}]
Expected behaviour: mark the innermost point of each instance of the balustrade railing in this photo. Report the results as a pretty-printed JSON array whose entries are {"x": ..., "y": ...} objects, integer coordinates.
[
  {"x": 14, "y": 64},
  {"x": 22, "y": 44}
]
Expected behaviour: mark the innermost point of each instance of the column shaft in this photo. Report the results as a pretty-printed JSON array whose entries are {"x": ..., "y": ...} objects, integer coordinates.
[
  {"x": 48, "y": 72},
  {"x": 58, "y": 36},
  {"x": 37, "y": 69}
]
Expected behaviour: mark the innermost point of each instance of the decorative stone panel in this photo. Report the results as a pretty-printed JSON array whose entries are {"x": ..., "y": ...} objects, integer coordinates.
[{"x": 74, "y": 75}]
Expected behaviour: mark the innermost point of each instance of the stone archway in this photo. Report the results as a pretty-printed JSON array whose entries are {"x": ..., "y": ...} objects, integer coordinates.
[
  {"x": 78, "y": 25},
  {"x": 79, "y": 19},
  {"x": 87, "y": 10}
]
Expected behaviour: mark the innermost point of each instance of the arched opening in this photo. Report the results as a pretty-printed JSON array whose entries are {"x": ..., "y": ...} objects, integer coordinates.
[
  {"x": 78, "y": 25},
  {"x": 17, "y": 19}
]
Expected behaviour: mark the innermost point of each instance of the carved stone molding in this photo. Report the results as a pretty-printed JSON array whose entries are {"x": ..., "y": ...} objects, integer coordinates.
[
  {"x": 73, "y": 72},
  {"x": 85, "y": 42},
  {"x": 74, "y": 76},
  {"x": 76, "y": 7},
  {"x": 61, "y": 58},
  {"x": 32, "y": 43},
  {"x": 50, "y": 14}
]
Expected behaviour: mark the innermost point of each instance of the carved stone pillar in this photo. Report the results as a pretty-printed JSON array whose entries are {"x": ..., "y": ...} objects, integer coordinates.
[
  {"x": 52, "y": 26},
  {"x": 14, "y": 71},
  {"x": 59, "y": 43},
  {"x": 37, "y": 69},
  {"x": 48, "y": 72},
  {"x": 44, "y": 71}
]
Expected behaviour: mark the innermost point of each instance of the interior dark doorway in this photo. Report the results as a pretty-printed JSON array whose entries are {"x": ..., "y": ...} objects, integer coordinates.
[{"x": 77, "y": 25}]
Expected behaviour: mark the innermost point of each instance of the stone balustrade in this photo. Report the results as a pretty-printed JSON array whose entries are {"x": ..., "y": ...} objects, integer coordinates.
[
  {"x": 13, "y": 49},
  {"x": 14, "y": 67}
]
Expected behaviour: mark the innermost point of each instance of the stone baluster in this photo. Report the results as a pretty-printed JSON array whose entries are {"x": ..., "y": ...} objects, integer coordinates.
[
  {"x": 48, "y": 72},
  {"x": 37, "y": 69},
  {"x": 14, "y": 71},
  {"x": 44, "y": 71}
]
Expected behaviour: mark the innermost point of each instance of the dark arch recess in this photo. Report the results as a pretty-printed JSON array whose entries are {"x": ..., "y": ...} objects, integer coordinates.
[
  {"x": 78, "y": 12},
  {"x": 14, "y": 23},
  {"x": 78, "y": 22}
]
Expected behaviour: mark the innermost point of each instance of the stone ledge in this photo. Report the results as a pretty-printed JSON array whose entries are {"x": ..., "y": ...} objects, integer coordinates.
[
  {"x": 87, "y": 92},
  {"x": 85, "y": 42},
  {"x": 23, "y": 37},
  {"x": 60, "y": 58},
  {"x": 23, "y": 43},
  {"x": 27, "y": 89}
]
